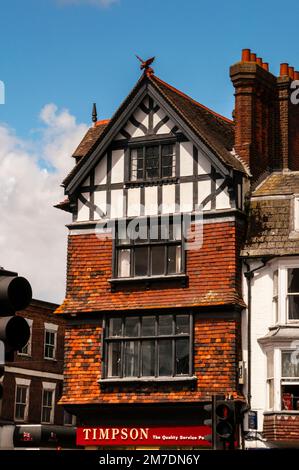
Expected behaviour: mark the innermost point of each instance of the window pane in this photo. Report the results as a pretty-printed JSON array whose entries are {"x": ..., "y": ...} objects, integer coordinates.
[
  {"x": 152, "y": 162},
  {"x": 131, "y": 359},
  {"x": 174, "y": 259},
  {"x": 148, "y": 326},
  {"x": 165, "y": 324},
  {"x": 290, "y": 364},
  {"x": 148, "y": 358},
  {"x": 175, "y": 229},
  {"x": 165, "y": 357},
  {"x": 293, "y": 301},
  {"x": 137, "y": 163},
  {"x": 122, "y": 233},
  {"x": 141, "y": 261},
  {"x": 115, "y": 326},
  {"x": 290, "y": 397},
  {"x": 124, "y": 263},
  {"x": 182, "y": 324},
  {"x": 114, "y": 359},
  {"x": 293, "y": 280},
  {"x": 131, "y": 326},
  {"x": 158, "y": 260},
  {"x": 182, "y": 356},
  {"x": 167, "y": 161}
]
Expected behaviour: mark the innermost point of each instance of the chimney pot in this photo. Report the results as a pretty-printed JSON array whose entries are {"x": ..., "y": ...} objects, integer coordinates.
[
  {"x": 284, "y": 69},
  {"x": 265, "y": 66},
  {"x": 291, "y": 72},
  {"x": 245, "y": 55},
  {"x": 296, "y": 75},
  {"x": 259, "y": 61},
  {"x": 252, "y": 57}
]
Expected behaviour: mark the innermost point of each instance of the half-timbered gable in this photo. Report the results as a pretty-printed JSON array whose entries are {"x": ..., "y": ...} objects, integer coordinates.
[{"x": 153, "y": 163}]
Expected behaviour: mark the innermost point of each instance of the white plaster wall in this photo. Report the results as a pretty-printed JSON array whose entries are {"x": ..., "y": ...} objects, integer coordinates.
[
  {"x": 261, "y": 319},
  {"x": 186, "y": 197},
  {"x": 151, "y": 200},
  {"x": 133, "y": 202},
  {"x": 100, "y": 202},
  {"x": 117, "y": 202},
  {"x": 204, "y": 165},
  {"x": 100, "y": 175},
  {"x": 204, "y": 190},
  {"x": 186, "y": 158},
  {"x": 83, "y": 210},
  {"x": 222, "y": 199},
  {"x": 117, "y": 166},
  {"x": 168, "y": 199}
]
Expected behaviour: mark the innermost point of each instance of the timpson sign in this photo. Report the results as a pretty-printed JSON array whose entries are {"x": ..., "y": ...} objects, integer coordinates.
[{"x": 117, "y": 436}]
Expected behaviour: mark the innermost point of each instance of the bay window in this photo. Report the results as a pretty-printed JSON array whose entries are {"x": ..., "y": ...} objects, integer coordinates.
[
  {"x": 148, "y": 346},
  {"x": 290, "y": 380}
]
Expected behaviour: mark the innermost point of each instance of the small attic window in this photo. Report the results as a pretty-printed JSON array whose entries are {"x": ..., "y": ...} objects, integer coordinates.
[
  {"x": 151, "y": 162},
  {"x": 296, "y": 213}
]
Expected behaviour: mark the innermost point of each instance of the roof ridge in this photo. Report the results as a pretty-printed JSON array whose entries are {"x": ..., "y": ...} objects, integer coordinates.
[{"x": 176, "y": 90}]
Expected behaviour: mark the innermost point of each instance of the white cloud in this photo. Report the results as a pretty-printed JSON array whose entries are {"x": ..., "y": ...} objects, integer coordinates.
[
  {"x": 32, "y": 232},
  {"x": 98, "y": 3}
]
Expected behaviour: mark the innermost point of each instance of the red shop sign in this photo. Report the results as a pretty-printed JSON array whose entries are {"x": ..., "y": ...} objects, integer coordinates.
[{"x": 145, "y": 435}]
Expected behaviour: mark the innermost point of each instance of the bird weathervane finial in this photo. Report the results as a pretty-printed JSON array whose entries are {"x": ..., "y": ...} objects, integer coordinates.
[{"x": 145, "y": 65}]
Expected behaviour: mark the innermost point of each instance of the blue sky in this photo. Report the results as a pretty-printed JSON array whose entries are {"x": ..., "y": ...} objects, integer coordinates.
[
  {"x": 73, "y": 52},
  {"x": 59, "y": 56}
]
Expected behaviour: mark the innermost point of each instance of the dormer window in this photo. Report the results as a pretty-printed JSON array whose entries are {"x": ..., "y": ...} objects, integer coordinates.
[{"x": 152, "y": 162}]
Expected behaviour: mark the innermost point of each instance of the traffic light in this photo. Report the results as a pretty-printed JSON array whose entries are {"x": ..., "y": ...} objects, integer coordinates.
[
  {"x": 226, "y": 419},
  {"x": 15, "y": 294},
  {"x": 211, "y": 422}
]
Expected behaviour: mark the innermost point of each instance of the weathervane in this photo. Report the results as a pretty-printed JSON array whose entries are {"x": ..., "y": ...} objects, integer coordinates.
[{"x": 145, "y": 64}]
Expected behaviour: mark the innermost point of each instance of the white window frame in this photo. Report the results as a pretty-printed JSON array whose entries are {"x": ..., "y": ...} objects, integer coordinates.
[
  {"x": 282, "y": 302},
  {"x": 29, "y": 344},
  {"x": 51, "y": 328},
  {"x": 277, "y": 378},
  {"x": 49, "y": 387},
  {"x": 25, "y": 383}
]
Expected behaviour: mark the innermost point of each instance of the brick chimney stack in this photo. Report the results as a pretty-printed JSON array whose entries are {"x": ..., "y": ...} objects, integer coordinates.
[
  {"x": 255, "y": 102},
  {"x": 266, "y": 121}
]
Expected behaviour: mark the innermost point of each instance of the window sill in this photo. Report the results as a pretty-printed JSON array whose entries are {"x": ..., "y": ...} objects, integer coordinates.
[
  {"x": 283, "y": 412},
  {"x": 53, "y": 359},
  {"x": 148, "y": 380},
  {"x": 149, "y": 279}
]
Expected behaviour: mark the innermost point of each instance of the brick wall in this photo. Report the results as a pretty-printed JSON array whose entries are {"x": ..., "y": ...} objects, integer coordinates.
[
  {"x": 35, "y": 398},
  {"x": 213, "y": 273},
  {"x": 41, "y": 313},
  {"x": 281, "y": 427},
  {"x": 215, "y": 366}
]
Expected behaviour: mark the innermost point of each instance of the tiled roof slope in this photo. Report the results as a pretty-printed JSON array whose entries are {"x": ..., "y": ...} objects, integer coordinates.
[
  {"x": 216, "y": 131},
  {"x": 91, "y": 136},
  {"x": 270, "y": 229}
]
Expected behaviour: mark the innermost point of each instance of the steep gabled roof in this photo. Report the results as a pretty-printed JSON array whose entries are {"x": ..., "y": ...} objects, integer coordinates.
[{"x": 216, "y": 131}]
